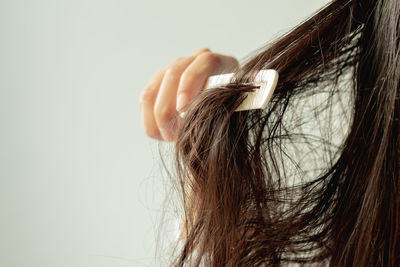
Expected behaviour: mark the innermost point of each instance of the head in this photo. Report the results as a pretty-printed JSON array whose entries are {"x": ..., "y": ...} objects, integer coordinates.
[{"x": 314, "y": 177}]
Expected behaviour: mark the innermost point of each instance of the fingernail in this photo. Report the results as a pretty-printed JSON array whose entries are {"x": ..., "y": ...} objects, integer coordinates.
[{"x": 181, "y": 101}]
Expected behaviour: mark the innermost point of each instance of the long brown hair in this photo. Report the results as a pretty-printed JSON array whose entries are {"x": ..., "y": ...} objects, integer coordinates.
[{"x": 249, "y": 201}]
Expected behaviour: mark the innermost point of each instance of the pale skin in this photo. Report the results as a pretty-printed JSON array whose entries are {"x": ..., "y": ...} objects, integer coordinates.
[{"x": 174, "y": 86}]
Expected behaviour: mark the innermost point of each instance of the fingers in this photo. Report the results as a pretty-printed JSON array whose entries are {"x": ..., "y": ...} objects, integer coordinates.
[
  {"x": 147, "y": 100},
  {"x": 165, "y": 105},
  {"x": 174, "y": 86},
  {"x": 196, "y": 74},
  {"x": 149, "y": 96}
]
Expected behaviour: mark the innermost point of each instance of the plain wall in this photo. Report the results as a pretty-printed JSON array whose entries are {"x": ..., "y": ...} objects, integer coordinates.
[{"x": 80, "y": 183}]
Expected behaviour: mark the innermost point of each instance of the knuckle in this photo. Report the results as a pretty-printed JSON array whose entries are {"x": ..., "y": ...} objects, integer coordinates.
[
  {"x": 163, "y": 114},
  {"x": 173, "y": 71},
  {"x": 211, "y": 58},
  {"x": 146, "y": 97},
  {"x": 187, "y": 79},
  {"x": 178, "y": 60},
  {"x": 204, "y": 50}
]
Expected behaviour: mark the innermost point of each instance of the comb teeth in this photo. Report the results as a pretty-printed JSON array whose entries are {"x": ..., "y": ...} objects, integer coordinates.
[{"x": 266, "y": 80}]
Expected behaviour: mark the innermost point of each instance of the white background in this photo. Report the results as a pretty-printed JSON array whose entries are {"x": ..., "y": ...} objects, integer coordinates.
[{"x": 80, "y": 183}]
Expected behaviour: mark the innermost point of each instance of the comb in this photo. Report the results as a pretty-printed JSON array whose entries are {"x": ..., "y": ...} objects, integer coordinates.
[{"x": 266, "y": 80}]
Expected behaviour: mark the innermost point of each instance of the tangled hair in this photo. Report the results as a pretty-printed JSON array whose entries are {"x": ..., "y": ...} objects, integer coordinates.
[{"x": 278, "y": 186}]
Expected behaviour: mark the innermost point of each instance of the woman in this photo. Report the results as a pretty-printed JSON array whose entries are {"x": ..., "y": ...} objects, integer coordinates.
[{"x": 260, "y": 187}]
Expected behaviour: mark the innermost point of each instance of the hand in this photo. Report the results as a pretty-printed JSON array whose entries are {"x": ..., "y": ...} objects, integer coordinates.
[{"x": 174, "y": 86}]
